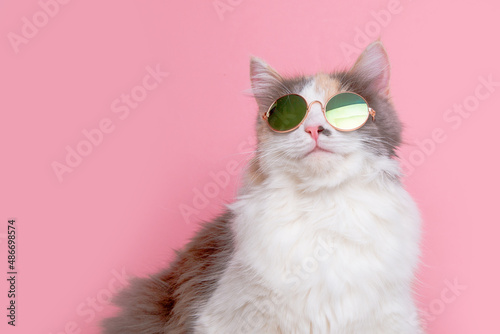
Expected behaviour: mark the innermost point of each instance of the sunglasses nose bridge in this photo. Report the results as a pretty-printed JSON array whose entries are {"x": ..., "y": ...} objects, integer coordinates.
[
  {"x": 315, "y": 116},
  {"x": 313, "y": 102}
]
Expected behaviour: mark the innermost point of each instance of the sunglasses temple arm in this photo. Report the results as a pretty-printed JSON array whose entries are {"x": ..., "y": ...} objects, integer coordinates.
[{"x": 372, "y": 113}]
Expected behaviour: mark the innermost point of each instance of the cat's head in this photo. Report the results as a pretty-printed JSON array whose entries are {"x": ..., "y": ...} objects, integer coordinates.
[{"x": 316, "y": 154}]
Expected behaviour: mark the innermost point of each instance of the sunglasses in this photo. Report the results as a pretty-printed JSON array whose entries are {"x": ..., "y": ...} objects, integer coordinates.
[{"x": 344, "y": 111}]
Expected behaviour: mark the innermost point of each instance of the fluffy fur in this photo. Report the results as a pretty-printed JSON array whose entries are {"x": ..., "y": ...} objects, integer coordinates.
[{"x": 318, "y": 241}]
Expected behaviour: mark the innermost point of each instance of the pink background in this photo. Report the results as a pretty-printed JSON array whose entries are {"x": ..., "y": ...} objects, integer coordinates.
[{"x": 119, "y": 210}]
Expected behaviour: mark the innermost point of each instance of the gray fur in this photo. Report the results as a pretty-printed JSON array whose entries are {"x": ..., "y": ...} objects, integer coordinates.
[
  {"x": 167, "y": 302},
  {"x": 384, "y": 135}
]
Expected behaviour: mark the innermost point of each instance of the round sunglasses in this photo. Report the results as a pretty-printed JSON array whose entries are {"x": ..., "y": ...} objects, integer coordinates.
[{"x": 345, "y": 111}]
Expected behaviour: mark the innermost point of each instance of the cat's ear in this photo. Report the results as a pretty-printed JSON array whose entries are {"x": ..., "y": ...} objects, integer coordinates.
[
  {"x": 265, "y": 80},
  {"x": 373, "y": 67}
]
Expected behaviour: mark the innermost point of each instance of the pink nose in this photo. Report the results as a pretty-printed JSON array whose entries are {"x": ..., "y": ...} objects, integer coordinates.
[{"x": 314, "y": 131}]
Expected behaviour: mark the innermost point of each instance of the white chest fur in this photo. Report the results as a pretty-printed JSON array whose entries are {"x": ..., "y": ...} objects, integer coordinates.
[{"x": 337, "y": 261}]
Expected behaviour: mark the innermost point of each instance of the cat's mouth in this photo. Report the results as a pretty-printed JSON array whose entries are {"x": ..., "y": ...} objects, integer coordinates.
[{"x": 317, "y": 149}]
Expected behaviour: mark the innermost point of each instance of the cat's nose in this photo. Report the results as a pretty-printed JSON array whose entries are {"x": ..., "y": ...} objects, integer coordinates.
[{"x": 314, "y": 131}]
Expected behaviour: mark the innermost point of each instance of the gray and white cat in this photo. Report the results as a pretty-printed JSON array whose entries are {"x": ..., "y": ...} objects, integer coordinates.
[{"x": 322, "y": 238}]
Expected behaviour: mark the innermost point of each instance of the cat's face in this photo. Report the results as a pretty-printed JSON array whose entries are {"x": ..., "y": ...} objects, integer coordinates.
[{"x": 316, "y": 151}]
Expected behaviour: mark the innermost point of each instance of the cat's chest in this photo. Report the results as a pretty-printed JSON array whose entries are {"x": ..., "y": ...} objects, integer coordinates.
[
  {"x": 315, "y": 264},
  {"x": 301, "y": 242}
]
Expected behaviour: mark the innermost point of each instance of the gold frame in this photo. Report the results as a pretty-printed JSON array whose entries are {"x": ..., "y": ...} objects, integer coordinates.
[{"x": 371, "y": 112}]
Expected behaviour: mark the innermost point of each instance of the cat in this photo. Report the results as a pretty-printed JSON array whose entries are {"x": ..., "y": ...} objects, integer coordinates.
[{"x": 322, "y": 237}]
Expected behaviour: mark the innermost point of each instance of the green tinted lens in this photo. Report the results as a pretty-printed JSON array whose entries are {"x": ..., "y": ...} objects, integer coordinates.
[
  {"x": 287, "y": 112},
  {"x": 347, "y": 111}
]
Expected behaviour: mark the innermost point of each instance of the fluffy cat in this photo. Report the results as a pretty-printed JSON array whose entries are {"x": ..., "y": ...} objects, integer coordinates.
[{"x": 321, "y": 239}]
